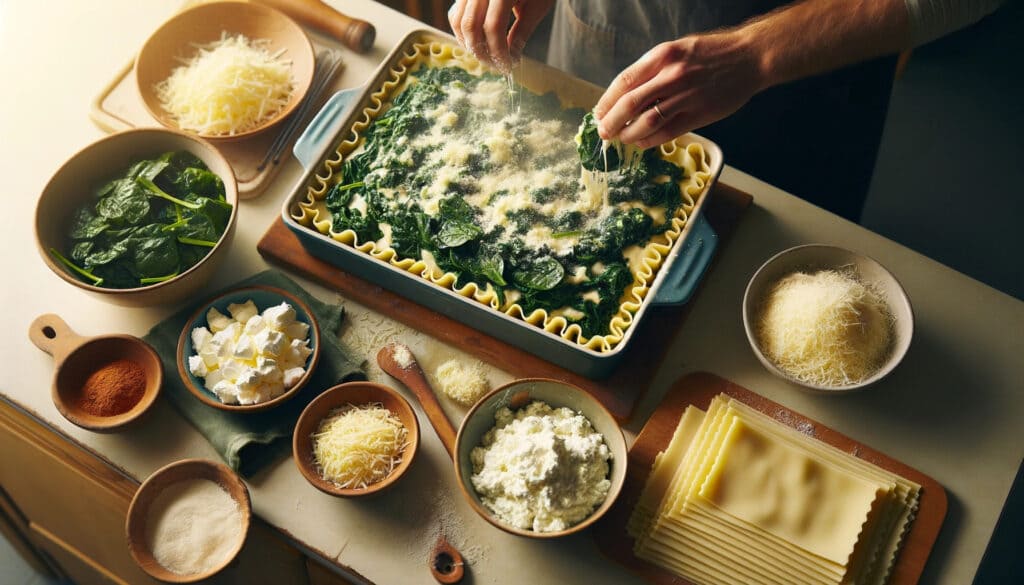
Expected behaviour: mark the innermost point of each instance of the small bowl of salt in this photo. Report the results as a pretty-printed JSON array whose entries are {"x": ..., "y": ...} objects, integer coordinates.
[{"x": 188, "y": 521}]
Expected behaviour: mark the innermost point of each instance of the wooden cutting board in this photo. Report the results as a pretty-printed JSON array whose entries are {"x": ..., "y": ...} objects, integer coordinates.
[
  {"x": 698, "y": 389},
  {"x": 619, "y": 392}
]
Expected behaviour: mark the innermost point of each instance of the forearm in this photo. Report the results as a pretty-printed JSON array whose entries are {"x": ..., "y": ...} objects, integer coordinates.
[{"x": 814, "y": 36}]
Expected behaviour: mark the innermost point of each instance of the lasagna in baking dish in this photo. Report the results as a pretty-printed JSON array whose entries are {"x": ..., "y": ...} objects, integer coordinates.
[{"x": 456, "y": 175}]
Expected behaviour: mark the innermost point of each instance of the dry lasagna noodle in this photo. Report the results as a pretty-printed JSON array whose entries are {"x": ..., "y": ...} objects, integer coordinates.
[{"x": 643, "y": 260}]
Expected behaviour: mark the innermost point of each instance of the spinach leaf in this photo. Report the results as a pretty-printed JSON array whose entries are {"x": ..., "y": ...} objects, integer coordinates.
[
  {"x": 410, "y": 232},
  {"x": 491, "y": 266},
  {"x": 594, "y": 156},
  {"x": 154, "y": 252},
  {"x": 365, "y": 227},
  {"x": 85, "y": 225},
  {"x": 544, "y": 273},
  {"x": 126, "y": 204},
  {"x": 455, "y": 232}
]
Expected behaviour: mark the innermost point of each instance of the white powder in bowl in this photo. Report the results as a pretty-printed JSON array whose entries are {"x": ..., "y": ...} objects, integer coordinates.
[
  {"x": 541, "y": 468},
  {"x": 193, "y": 526}
]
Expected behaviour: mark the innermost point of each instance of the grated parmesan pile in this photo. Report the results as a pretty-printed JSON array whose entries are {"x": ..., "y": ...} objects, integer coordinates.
[
  {"x": 826, "y": 328},
  {"x": 356, "y": 446},
  {"x": 231, "y": 86}
]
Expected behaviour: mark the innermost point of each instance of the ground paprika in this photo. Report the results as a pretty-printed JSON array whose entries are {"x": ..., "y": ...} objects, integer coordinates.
[{"x": 113, "y": 389}]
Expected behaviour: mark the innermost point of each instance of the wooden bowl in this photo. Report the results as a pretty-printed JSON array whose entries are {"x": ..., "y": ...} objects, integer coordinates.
[
  {"x": 150, "y": 490},
  {"x": 356, "y": 393},
  {"x": 263, "y": 297},
  {"x": 812, "y": 258},
  {"x": 179, "y": 37},
  {"x": 77, "y": 357},
  {"x": 72, "y": 186},
  {"x": 555, "y": 393}
]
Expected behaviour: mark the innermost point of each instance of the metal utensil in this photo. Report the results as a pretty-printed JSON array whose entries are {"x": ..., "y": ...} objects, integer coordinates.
[{"x": 327, "y": 64}]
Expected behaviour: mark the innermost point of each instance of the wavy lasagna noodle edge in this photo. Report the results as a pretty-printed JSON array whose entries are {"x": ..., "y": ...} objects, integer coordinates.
[{"x": 312, "y": 212}]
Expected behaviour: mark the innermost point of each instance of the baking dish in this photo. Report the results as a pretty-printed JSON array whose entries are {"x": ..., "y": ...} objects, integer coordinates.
[{"x": 318, "y": 151}]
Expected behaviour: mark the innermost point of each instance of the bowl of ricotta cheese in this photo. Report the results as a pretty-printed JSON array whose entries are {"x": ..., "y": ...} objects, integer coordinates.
[{"x": 540, "y": 458}]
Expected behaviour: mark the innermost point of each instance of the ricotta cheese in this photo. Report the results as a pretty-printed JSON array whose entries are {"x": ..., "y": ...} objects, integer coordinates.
[{"x": 541, "y": 468}]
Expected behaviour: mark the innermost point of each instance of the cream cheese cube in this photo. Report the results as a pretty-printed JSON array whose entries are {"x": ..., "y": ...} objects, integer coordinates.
[
  {"x": 297, "y": 330},
  {"x": 200, "y": 337},
  {"x": 212, "y": 379},
  {"x": 217, "y": 320},
  {"x": 226, "y": 392},
  {"x": 197, "y": 366},
  {"x": 269, "y": 342},
  {"x": 242, "y": 312},
  {"x": 244, "y": 349},
  {"x": 292, "y": 376},
  {"x": 254, "y": 325},
  {"x": 279, "y": 316}
]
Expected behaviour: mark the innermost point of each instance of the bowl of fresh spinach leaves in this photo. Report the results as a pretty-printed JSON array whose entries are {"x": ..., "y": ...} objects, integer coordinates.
[{"x": 139, "y": 218}]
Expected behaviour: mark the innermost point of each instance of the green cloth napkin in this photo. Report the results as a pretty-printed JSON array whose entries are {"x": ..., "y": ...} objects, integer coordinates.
[{"x": 248, "y": 441}]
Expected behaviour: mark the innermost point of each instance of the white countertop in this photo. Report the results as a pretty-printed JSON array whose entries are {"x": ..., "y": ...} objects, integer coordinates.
[{"x": 951, "y": 410}]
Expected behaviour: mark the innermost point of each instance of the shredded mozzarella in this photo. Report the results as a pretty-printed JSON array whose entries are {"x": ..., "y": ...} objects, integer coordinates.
[
  {"x": 231, "y": 86},
  {"x": 356, "y": 446}
]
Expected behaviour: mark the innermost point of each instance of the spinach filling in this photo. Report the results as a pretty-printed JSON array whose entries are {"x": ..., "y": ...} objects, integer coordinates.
[
  {"x": 431, "y": 174},
  {"x": 155, "y": 222}
]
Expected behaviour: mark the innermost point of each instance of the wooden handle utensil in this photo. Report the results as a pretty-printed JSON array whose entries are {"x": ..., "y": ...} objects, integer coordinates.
[
  {"x": 411, "y": 374},
  {"x": 354, "y": 33}
]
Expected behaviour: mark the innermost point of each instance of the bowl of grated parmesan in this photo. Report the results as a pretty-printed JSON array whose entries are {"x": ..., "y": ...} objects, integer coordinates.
[
  {"x": 225, "y": 70},
  {"x": 827, "y": 319},
  {"x": 355, "y": 439}
]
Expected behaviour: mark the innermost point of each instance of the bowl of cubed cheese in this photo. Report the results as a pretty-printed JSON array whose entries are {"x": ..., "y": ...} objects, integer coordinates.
[{"x": 249, "y": 349}]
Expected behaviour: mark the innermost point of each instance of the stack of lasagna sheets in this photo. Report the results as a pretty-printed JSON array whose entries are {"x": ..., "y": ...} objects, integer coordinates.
[{"x": 738, "y": 497}]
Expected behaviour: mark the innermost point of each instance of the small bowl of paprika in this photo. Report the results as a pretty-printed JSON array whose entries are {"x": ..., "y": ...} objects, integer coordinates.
[{"x": 100, "y": 383}]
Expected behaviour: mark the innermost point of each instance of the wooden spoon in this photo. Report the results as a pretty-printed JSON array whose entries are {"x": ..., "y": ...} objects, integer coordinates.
[
  {"x": 407, "y": 370},
  {"x": 446, "y": 563}
]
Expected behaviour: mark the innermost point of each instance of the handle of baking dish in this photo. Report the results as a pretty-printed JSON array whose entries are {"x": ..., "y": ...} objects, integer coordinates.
[
  {"x": 691, "y": 264},
  {"x": 322, "y": 128}
]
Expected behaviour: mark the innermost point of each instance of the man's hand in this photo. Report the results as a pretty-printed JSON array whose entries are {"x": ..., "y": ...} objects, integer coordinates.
[
  {"x": 688, "y": 83},
  {"x": 482, "y": 26},
  {"x": 678, "y": 86}
]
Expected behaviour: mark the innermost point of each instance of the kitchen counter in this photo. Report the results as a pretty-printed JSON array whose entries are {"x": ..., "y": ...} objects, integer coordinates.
[{"x": 951, "y": 409}]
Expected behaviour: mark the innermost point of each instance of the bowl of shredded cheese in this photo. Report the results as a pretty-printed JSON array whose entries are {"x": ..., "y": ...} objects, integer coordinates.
[
  {"x": 827, "y": 319},
  {"x": 225, "y": 70},
  {"x": 355, "y": 439}
]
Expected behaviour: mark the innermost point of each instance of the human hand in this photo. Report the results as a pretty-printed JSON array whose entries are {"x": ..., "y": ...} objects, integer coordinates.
[
  {"x": 678, "y": 86},
  {"x": 482, "y": 26}
]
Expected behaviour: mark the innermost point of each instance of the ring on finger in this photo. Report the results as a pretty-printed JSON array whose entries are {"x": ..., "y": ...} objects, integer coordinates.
[{"x": 658, "y": 111}]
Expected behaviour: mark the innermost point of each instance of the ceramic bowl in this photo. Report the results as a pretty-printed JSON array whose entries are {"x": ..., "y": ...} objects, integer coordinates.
[
  {"x": 355, "y": 393},
  {"x": 263, "y": 297},
  {"x": 812, "y": 258},
  {"x": 72, "y": 186},
  {"x": 179, "y": 37},
  {"x": 517, "y": 394},
  {"x": 150, "y": 490}
]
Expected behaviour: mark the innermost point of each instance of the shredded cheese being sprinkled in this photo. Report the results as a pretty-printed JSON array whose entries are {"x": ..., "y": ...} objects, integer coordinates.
[
  {"x": 463, "y": 382},
  {"x": 231, "y": 86},
  {"x": 356, "y": 446},
  {"x": 825, "y": 328}
]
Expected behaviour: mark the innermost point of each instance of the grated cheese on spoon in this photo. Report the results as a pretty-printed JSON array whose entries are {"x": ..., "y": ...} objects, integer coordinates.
[
  {"x": 230, "y": 86},
  {"x": 356, "y": 446}
]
